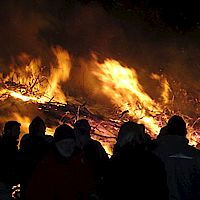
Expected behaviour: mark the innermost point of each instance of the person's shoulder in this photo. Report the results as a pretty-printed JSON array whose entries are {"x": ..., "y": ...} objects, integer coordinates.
[
  {"x": 96, "y": 143},
  {"x": 154, "y": 157},
  {"x": 25, "y": 138},
  {"x": 49, "y": 138},
  {"x": 26, "y": 142}
]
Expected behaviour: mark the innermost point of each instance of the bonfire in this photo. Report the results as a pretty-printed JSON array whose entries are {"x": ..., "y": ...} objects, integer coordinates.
[{"x": 34, "y": 88}]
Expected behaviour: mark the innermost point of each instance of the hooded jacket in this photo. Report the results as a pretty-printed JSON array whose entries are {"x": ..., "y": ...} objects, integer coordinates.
[{"x": 63, "y": 174}]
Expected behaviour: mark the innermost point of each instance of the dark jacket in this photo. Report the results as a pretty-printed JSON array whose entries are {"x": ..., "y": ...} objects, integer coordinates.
[
  {"x": 9, "y": 157},
  {"x": 182, "y": 164},
  {"x": 135, "y": 173},
  {"x": 32, "y": 150},
  {"x": 97, "y": 156},
  {"x": 59, "y": 178}
]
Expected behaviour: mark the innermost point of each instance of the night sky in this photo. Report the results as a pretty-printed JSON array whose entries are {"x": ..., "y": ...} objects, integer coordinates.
[
  {"x": 151, "y": 36},
  {"x": 30, "y": 26}
]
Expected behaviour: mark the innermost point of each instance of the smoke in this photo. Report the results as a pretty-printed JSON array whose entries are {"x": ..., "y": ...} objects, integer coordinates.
[
  {"x": 137, "y": 38},
  {"x": 20, "y": 27}
]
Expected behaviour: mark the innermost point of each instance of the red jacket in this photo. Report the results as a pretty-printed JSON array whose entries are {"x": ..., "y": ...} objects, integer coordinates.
[{"x": 61, "y": 179}]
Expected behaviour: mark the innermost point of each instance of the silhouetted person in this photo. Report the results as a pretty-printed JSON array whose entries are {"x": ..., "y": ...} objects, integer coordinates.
[
  {"x": 134, "y": 172},
  {"x": 64, "y": 172},
  {"x": 182, "y": 162},
  {"x": 33, "y": 147},
  {"x": 9, "y": 159},
  {"x": 154, "y": 142},
  {"x": 92, "y": 149}
]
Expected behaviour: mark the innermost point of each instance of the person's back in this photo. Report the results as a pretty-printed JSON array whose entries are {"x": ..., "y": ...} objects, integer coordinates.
[
  {"x": 9, "y": 157},
  {"x": 182, "y": 162},
  {"x": 64, "y": 172},
  {"x": 138, "y": 174},
  {"x": 134, "y": 172},
  {"x": 92, "y": 149},
  {"x": 96, "y": 154},
  {"x": 33, "y": 147}
]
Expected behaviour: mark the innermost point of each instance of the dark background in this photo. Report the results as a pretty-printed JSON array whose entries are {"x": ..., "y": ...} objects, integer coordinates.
[{"x": 85, "y": 25}]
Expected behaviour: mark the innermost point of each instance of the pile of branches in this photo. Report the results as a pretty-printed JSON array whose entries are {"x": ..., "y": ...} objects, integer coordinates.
[
  {"x": 69, "y": 112},
  {"x": 104, "y": 129}
]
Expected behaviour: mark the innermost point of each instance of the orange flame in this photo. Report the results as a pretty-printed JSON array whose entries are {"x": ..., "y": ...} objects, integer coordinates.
[
  {"x": 33, "y": 85},
  {"x": 165, "y": 86},
  {"x": 123, "y": 88},
  {"x": 58, "y": 75},
  {"x": 37, "y": 87},
  {"x": 119, "y": 83}
]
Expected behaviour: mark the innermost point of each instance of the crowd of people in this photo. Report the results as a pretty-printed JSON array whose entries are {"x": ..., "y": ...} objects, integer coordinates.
[{"x": 71, "y": 165}]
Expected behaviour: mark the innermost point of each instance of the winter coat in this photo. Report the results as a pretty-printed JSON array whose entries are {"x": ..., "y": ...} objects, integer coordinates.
[
  {"x": 182, "y": 164},
  {"x": 9, "y": 167},
  {"x": 60, "y": 178},
  {"x": 9, "y": 157},
  {"x": 97, "y": 156},
  {"x": 135, "y": 173},
  {"x": 32, "y": 150}
]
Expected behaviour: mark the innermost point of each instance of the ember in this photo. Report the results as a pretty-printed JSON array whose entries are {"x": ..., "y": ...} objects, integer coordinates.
[{"x": 35, "y": 88}]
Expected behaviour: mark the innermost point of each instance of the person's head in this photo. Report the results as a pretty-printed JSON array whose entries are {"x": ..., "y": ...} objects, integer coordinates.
[
  {"x": 176, "y": 126},
  {"x": 65, "y": 140},
  {"x": 163, "y": 131},
  {"x": 37, "y": 127},
  {"x": 131, "y": 133},
  {"x": 12, "y": 130},
  {"x": 82, "y": 130},
  {"x": 63, "y": 132}
]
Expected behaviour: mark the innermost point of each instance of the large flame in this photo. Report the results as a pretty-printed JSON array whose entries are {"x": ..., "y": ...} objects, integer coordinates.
[
  {"x": 123, "y": 88},
  {"x": 31, "y": 83},
  {"x": 58, "y": 75},
  {"x": 165, "y": 86},
  {"x": 120, "y": 83},
  {"x": 34, "y": 85}
]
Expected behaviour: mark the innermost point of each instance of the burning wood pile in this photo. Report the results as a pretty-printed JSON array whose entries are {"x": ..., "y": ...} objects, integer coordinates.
[
  {"x": 32, "y": 86},
  {"x": 104, "y": 130}
]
